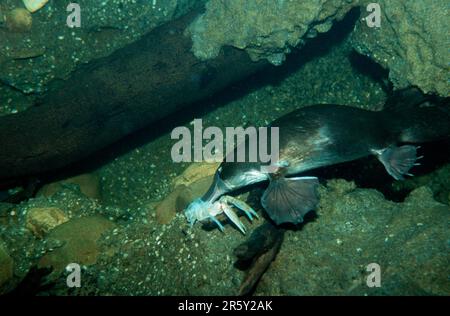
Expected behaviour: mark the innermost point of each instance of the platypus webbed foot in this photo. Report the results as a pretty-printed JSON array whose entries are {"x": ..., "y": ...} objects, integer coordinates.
[
  {"x": 399, "y": 160},
  {"x": 287, "y": 200}
]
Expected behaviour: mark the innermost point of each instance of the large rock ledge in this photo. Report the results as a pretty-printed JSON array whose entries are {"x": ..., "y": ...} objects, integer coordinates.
[
  {"x": 412, "y": 41},
  {"x": 266, "y": 29}
]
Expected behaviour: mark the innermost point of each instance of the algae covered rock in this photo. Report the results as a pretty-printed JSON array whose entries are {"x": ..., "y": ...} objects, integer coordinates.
[
  {"x": 357, "y": 228},
  {"x": 89, "y": 184},
  {"x": 266, "y": 29},
  {"x": 18, "y": 20},
  {"x": 195, "y": 172},
  {"x": 34, "y": 5},
  {"x": 41, "y": 220},
  {"x": 412, "y": 42},
  {"x": 76, "y": 242}
]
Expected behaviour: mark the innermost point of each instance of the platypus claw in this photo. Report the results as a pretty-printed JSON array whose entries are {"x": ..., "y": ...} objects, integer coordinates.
[
  {"x": 225, "y": 202},
  {"x": 247, "y": 209},
  {"x": 200, "y": 210}
]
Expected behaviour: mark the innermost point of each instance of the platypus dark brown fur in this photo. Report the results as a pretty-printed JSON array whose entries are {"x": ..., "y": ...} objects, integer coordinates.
[{"x": 323, "y": 135}]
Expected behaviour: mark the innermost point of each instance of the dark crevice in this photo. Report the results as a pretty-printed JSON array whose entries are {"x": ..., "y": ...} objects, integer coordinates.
[
  {"x": 370, "y": 173},
  {"x": 34, "y": 283},
  {"x": 368, "y": 67}
]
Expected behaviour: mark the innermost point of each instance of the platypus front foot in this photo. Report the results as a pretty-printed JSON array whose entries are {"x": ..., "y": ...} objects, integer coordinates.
[
  {"x": 200, "y": 210},
  {"x": 225, "y": 206}
]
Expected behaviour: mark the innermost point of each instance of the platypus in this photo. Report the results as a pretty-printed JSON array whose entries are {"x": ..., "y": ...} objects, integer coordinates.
[{"x": 322, "y": 135}]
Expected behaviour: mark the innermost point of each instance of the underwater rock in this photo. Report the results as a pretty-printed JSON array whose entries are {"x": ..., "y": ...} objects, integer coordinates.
[
  {"x": 78, "y": 239},
  {"x": 34, "y": 5},
  {"x": 166, "y": 210},
  {"x": 192, "y": 183},
  {"x": 195, "y": 172},
  {"x": 412, "y": 42},
  {"x": 438, "y": 181},
  {"x": 18, "y": 20},
  {"x": 42, "y": 220},
  {"x": 266, "y": 29},
  {"x": 89, "y": 185},
  {"x": 6, "y": 268},
  {"x": 356, "y": 228}
]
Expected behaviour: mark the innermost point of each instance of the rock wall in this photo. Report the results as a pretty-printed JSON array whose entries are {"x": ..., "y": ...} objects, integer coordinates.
[
  {"x": 266, "y": 29},
  {"x": 412, "y": 42},
  {"x": 51, "y": 50}
]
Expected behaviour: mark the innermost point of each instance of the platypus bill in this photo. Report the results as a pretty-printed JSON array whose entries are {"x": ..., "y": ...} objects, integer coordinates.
[{"x": 322, "y": 135}]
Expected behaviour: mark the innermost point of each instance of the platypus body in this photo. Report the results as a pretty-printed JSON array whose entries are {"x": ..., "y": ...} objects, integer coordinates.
[{"x": 325, "y": 134}]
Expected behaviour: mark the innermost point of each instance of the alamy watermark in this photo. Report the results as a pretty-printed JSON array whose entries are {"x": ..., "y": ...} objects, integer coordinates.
[
  {"x": 239, "y": 144},
  {"x": 74, "y": 18},
  {"x": 374, "y": 277},
  {"x": 374, "y": 18},
  {"x": 74, "y": 277}
]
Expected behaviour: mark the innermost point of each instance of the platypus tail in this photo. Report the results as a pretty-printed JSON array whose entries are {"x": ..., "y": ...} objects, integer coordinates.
[{"x": 416, "y": 117}]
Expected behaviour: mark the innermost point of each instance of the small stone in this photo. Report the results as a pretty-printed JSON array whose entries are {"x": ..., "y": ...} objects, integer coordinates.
[
  {"x": 89, "y": 185},
  {"x": 41, "y": 220},
  {"x": 79, "y": 237},
  {"x": 195, "y": 172},
  {"x": 18, "y": 20},
  {"x": 34, "y": 5}
]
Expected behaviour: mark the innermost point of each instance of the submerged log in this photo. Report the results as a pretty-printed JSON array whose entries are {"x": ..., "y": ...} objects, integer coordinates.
[{"x": 112, "y": 97}]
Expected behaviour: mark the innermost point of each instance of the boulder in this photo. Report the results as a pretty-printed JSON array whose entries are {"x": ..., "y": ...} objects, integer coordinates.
[
  {"x": 43, "y": 219},
  {"x": 266, "y": 29},
  {"x": 412, "y": 42},
  {"x": 79, "y": 242}
]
